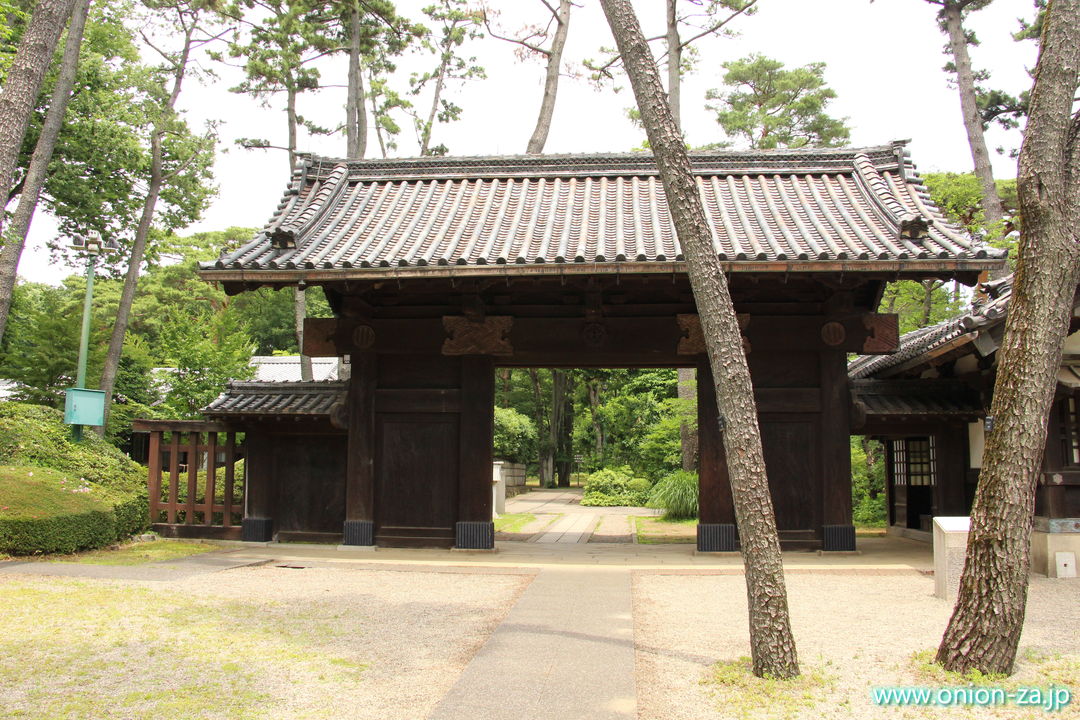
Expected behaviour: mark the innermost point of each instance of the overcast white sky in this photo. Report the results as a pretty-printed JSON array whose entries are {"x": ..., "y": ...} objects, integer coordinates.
[{"x": 883, "y": 60}]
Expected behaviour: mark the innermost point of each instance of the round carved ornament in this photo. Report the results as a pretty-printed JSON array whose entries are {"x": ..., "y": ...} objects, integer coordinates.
[
  {"x": 594, "y": 334},
  {"x": 364, "y": 337},
  {"x": 833, "y": 333}
]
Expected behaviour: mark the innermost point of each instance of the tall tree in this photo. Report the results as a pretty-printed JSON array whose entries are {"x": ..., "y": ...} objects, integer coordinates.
[
  {"x": 530, "y": 41},
  {"x": 457, "y": 24},
  {"x": 174, "y": 153},
  {"x": 15, "y": 234},
  {"x": 769, "y": 106},
  {"x": 985, "y": 627},
  {"x": 772, "y": 644},
  {"x": 951, "y": 20},
  {"x": 23, "y": 81}
]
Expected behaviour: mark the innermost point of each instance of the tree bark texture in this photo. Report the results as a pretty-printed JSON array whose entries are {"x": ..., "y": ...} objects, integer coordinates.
[
  {"x": 674, "y": 86},
  {"x": 299, "y": 313},
  {"x": 565, "y": 452},
  {"x": 771, "y": 642},
  {"x": 952, "y": 15},
  {"x": 440, "y": 81},
  {"x": 15, "y": 235},
  {"x": 542, "y": 430},
  {"x": 355, "y": 109},
  {"x": 688, "y": 440},
  {"x": 23, "y": 81},
  {"x": 551, "y": 79},
  {"x": 985, "y": 627}
]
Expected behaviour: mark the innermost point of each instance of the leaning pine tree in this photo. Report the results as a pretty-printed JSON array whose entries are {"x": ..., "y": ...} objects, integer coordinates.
[
  {"x": 984, "y": 631},
  {"x": 771, "y": 643}
]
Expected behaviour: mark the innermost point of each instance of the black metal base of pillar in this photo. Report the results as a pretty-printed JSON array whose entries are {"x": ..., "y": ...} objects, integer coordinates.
[
  {"x": 256, "y": 529},
  {"x": 717, "y": 537},
  {"x": 474, "y": 535},
  {"x": 838, "y": 538},
  {"x": 359, "y": 532}
]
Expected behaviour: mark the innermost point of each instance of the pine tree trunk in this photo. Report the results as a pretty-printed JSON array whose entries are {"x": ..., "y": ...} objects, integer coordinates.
[
  {"x": 688, "y": 440},
  {"x": 15, "y": 235},
  {"x": 23, "y": 81},
  {"x": 674, "y": 94},
  {"x": 594, "y": 413},
  {"x": 543, "y": 455},
  {"x": 355, "y": 108},
  {"x": 952, "y": 14},
  {"x": 771, "y": 642},
  {"x": 565, "y": 456},
  {"x": 985, "y": 627},
  {"x": 425, "y": 135},
  {"x": 551, "y": 80}
]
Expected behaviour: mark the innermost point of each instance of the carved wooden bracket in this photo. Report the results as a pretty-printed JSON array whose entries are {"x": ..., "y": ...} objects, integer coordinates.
[
  {"x": 333, "y": 337},
  {"x": 884, "y": 333},
  {"x": 466, "y": 337},
  {"x": 693, "y": 340}
]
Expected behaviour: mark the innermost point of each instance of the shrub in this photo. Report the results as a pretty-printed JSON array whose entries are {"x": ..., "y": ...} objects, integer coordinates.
[
  {"x": 677, "y": 493},
  {"x": 36, "y": 437},
  {"x": 515, "y": 436},
  {"x": 45, "y": 511},
  {"x": 615, "y": 486}
]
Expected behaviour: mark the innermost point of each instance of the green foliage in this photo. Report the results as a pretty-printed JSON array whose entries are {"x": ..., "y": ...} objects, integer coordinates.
[
  {"x": 960, "y": 196},
  {"x": 868, "y": 482},
  {"x": 615, "y": 486},
  {"x": 770, "y": 107},
  {"x": 36, "y": 435},
  {"x": 206, "y": 351},
  {"x": 515, "y": 436},
  {"x": 920, "y": 304},
  {"x": 45, "y": 511},
  {"x": 677, "y": 494}
]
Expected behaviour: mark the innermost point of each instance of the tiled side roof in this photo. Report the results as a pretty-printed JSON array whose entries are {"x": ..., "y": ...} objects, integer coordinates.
[
  {"x": 924, "y": 340},
  {"x": 281, "y": 399},
  {"x": 916, "y": 398},
  {"x": 810, "y": 206}
]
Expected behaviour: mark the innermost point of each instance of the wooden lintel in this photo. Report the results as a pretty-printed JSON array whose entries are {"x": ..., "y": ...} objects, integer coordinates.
[
  {"x": 180, "y": 426},
  {"x": 468, "y": 337}
]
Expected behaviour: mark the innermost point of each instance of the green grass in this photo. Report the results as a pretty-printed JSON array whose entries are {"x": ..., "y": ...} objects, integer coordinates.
[
  {"x": 138, "y": 553},
  {"x": 1032, "y": 667},
  {"x": 739, "y": 694},
  {"x": 40, "y": 492},
  {"x": 77, "y": 649},
  {"x": 653, "y": 530},
  {"x": 513, "y": 522}
]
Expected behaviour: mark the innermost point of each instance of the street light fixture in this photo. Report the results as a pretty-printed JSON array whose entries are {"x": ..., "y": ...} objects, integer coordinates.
[{"x": 82, "y": 406}]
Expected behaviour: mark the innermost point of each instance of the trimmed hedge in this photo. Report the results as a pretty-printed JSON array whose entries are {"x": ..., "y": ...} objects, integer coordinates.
[
  {"x": 34, "y": 437},
  {"x": 45, "y": 511}
]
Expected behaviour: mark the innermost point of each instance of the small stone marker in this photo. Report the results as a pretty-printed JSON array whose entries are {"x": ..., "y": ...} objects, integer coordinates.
[
  {"x": 950, "y": 548},
  {"x": 498, "y": 489}
]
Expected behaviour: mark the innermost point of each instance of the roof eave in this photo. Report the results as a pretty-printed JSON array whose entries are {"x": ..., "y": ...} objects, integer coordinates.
[{"x": 290, "y": 276}]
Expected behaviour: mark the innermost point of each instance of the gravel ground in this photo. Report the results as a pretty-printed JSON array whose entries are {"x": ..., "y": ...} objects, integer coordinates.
[
  {"x": 853, "y": 632},
  {"x": 258, "y": 642}
]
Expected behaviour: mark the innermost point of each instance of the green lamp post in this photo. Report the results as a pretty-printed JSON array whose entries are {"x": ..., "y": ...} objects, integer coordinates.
[{"x": 82, "y": 406}]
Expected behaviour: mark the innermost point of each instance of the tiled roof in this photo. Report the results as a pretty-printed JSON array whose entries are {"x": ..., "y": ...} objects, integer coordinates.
[
  {"x": 924, "y": 340},
  {"x": 429, "y": 216},
  {"x": 280, "y": 399},
  {"x": 916, "y": 398},
  {"x": 286, "y": 368}
]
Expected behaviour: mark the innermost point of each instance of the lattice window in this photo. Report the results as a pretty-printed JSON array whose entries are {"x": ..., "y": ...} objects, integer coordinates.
[
  {"x": 1070, "y": 431},
  {"x": 914, "y": 460},
  {"x": 899, "y": 462}
]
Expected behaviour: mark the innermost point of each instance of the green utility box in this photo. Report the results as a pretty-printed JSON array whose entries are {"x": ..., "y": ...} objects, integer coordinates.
[{"x": 84, "y": 407}]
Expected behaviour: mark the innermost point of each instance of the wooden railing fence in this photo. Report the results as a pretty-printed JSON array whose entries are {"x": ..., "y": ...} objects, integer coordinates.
[{"x": 195, "y": 489}]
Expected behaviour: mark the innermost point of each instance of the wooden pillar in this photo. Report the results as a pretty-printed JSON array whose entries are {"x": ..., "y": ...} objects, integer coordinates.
[
  {"x": 474, "y": 529},
  {"x": 837, "y": 531},
  {"x": 716, "y": 530},
  {"x": 359, "y": 526},
  {"x": 258, "y": 524}
]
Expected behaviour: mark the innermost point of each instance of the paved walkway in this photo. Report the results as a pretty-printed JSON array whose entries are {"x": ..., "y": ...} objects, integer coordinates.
[
  {"x": 561, "y": 519},
  {"x": 569, "y": 640}
]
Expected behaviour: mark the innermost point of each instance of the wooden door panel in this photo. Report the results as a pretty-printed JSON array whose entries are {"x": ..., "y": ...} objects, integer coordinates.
[
  {"x": 416, "y": 473},
  {"x": 791, "y": 461}
]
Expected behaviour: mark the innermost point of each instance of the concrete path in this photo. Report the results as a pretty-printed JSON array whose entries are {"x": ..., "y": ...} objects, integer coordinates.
[
  {"x": 568, "y": 643},
  {"x": 575, "y": 523}
]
